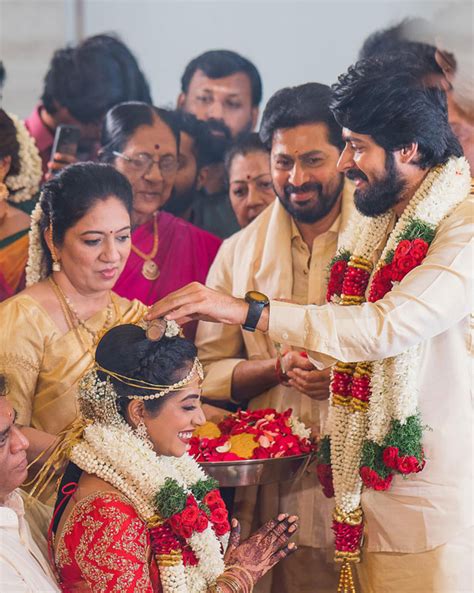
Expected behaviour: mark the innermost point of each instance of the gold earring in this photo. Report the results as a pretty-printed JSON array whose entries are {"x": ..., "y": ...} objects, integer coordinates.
[
  {"x": 141, "y": 432},
  {"x": 56, "y": 263}
]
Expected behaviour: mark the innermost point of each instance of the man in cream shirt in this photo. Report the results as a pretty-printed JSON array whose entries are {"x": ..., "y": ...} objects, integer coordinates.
[
  {"x": 23, "y": 568},
  {"x": 284, "y": 253},
  {"x": 402, "y": 155}
]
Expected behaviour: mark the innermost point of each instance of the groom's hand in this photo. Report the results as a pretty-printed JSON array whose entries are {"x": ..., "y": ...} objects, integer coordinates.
[{"x": 196, "y": 301}]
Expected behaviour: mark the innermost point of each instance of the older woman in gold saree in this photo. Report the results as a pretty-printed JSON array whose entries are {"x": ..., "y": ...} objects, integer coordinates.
[{"x": 79, "y": 243}]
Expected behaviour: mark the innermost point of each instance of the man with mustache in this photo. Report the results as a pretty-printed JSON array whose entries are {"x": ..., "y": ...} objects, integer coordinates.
[
  {"x": 198, "y": 151},
  {"x": 224, "y": 89},
  {"x": 284, "y": 252},
  {"x": 398, "y": 329}
]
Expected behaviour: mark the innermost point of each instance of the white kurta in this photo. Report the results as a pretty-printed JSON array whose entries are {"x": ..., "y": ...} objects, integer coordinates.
[
  {"x": 270, "y": 256},
  {"x": 431, "y": 306},
  {"x": 23, "y": 568}
]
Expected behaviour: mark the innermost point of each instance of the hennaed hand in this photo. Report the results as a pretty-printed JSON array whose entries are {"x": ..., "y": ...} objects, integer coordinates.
[{"x": 266, "y": 547}]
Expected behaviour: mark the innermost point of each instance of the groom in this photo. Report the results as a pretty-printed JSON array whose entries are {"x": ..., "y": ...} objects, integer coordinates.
[{"x": 401, "y": 336}]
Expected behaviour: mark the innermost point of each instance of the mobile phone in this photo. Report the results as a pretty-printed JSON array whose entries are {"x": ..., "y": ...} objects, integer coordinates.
[{"x": 66, "y": 140}]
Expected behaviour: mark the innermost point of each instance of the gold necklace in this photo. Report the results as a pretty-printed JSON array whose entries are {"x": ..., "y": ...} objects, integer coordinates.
[
  {"x": 150, "y": 270},
  {"x": 74, "y": 321}
]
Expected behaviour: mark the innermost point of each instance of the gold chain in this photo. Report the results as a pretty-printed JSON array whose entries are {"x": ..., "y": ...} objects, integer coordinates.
[
  {"x": 73, "y": 320},
  {"x": 156, "y": 241}
]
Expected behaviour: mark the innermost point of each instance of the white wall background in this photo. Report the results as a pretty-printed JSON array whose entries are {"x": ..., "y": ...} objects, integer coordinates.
[{"x": 291, "y": 42}]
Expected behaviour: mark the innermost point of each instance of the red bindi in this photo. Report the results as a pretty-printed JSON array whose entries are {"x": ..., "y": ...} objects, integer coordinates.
[{"x": 157, "y": 146}]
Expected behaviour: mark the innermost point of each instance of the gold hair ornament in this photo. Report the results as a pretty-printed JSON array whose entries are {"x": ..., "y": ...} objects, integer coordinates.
[{"x": 160, "y": 390}]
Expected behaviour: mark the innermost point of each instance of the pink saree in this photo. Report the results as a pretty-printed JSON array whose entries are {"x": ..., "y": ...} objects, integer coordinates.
[{"x": 185, "y": 254}]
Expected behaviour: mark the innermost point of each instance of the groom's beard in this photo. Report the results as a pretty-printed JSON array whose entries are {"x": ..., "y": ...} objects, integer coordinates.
[{"x": 379, "y": 195}]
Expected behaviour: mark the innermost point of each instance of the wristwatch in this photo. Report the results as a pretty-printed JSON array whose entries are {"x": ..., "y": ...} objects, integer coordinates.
[{"x": 257, "y": 302}]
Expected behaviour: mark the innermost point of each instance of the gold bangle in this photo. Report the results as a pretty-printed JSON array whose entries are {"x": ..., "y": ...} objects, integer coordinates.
[
  {"x": 245, "y": 572},
  {"x": 233, "y": 583}
]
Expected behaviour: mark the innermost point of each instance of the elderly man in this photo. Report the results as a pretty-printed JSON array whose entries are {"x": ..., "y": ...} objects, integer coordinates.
[
  {"x": 284, "y": 252},
  {"x": 23, "y": 569},
  {"x": 398, "y": 453}
]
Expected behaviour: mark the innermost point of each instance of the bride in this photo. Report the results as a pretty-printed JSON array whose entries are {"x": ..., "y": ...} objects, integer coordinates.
[{"x": 135, "y": 513}]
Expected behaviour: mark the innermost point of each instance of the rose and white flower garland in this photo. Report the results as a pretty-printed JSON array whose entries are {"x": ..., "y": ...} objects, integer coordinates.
[
  {"x": 186, "y": 516},
  {"x": 374, "y": 428},
  {"x": 26, "y": 182}
]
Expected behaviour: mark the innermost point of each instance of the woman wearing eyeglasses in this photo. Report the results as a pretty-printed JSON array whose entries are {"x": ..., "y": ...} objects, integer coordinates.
[{"x": 142, "y": 142}]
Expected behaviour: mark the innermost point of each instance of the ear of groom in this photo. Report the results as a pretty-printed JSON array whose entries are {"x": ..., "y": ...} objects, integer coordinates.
[
  {"x": 362, "y": 153},
  {"x": 13, "y": 446}
]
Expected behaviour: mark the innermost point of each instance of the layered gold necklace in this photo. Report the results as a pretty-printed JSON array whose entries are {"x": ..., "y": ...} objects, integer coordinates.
[
  {"x": 150, "y": 270},
  {"x": 74, "y": 321}
]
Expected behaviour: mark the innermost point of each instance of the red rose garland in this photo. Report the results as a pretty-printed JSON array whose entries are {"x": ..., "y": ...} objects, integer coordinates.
[
  {"x": 375, "y": 428},
  {"x": 169, "y": 537},
  {"x": 350, "y": 383},
  {"x": 408, "y": 255}
]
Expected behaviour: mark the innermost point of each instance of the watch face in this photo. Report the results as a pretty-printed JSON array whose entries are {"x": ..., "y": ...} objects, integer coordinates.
[{"x": 257, "y": 297}]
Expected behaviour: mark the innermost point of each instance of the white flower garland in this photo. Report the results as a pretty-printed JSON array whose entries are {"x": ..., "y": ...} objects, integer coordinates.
[
  {"x": 26, "y": 183},
  {"x": 119, "y": 457},
  {"x": 36, "y": 269},
  {"x": 394, "y": 393}
]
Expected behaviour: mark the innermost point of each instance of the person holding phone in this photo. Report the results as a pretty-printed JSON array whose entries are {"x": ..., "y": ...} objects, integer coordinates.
[{"x": 81, "y": 85}]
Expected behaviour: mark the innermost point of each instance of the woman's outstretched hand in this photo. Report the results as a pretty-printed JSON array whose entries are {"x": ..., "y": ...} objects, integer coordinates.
[
  {"x": 265, "y": 548},
  {"x": 196, "y": 301}
]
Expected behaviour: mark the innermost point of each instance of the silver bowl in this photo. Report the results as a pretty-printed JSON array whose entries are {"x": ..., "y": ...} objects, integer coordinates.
[{"x": 256, "y": 472}]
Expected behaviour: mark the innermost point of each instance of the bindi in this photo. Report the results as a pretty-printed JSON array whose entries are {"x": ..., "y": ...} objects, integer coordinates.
[{"x": 157, "y": 146}]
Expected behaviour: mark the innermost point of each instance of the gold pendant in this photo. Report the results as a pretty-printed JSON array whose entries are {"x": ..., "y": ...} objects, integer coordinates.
[{"x": 150, "y": 270}]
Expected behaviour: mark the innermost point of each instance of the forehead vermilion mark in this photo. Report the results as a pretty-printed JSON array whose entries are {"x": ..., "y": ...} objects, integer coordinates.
[{"x": 157, "y": 146}]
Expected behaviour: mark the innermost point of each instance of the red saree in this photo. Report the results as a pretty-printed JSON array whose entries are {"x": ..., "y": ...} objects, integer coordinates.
[
  {"x": 104, "y": 547},
  {"x": 185, "y": 254}
]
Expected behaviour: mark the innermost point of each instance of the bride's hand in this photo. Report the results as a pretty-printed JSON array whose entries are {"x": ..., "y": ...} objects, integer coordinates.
[
  {"x": 266, "y": 547},
  {"x": 234, "y": 540}
]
